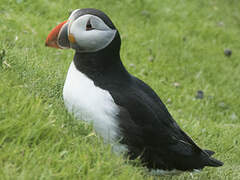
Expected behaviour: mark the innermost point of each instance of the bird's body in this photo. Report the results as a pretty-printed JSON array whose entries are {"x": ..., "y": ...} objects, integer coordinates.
[{"x": 124, "y": 110}]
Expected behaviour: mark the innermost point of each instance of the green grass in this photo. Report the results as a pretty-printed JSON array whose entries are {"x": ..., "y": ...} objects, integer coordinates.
[{"x": 185, "y": 39}]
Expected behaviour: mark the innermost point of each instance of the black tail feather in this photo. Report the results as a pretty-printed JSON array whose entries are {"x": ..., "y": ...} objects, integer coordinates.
[
  {"x": 214, "y": 162},
  {"x": 209, "y": 152}
]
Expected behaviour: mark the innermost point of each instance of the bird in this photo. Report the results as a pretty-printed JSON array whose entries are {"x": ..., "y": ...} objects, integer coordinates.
[{"x": 124, "y": 110}]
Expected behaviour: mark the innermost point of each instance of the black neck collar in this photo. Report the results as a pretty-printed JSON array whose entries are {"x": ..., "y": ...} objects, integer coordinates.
[{"x": 104, "y": 64}]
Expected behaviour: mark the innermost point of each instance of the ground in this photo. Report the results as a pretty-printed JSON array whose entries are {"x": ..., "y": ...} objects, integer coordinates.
[{"x": 177, "y": 47}]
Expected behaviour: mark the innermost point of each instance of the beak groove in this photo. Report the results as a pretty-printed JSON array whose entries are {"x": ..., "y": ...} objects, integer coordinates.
[{"x": 52, "y": 38}]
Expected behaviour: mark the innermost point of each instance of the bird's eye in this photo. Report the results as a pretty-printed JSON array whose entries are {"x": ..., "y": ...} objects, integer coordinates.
[{"x": 89, "y": 26}]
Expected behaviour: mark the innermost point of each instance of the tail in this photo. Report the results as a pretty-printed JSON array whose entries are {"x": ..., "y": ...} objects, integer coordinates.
[
  {"x": 212, "y": 161},
  {"x": 209, "y": 152}
]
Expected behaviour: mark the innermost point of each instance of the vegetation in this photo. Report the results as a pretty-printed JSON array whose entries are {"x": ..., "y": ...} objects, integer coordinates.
[{"x": 177, "y": 47}]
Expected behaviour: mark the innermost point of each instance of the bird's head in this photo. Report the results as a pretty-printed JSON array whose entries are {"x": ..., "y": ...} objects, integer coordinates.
[{"x": 86, "y": 31}]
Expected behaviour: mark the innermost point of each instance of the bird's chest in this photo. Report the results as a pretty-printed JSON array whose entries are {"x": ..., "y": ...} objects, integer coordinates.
[{"x": 90, "y": 103}]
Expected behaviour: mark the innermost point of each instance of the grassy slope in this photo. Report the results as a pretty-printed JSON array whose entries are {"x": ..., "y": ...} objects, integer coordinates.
[{"x": 186, "y": 39}]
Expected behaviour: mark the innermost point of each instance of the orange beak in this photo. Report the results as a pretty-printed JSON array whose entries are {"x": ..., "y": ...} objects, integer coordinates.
[{"x": 52, "y": 39}]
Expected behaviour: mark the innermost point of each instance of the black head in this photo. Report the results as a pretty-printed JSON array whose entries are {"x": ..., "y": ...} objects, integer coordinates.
[{"x": 86, "y": 31}]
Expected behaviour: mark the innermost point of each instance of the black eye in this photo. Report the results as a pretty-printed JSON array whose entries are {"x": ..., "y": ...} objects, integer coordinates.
[{"x": 89, "y": 26}]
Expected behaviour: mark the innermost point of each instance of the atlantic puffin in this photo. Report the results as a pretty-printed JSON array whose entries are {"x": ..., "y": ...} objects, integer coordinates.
[{"x": 124, "y": 110}]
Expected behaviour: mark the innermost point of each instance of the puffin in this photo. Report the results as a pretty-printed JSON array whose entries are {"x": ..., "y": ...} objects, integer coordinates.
[{"x": 124, "y": 111}]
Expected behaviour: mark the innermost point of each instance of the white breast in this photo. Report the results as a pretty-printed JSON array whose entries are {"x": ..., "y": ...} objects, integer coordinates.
[{"x": 90, "y": 103}]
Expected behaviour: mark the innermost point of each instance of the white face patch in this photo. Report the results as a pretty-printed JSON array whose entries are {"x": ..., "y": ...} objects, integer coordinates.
[{"x": 95, "y": 39}]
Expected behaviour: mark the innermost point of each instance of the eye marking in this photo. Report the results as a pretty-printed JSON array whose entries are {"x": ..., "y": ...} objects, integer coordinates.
[{"x": 89, "y": 26}]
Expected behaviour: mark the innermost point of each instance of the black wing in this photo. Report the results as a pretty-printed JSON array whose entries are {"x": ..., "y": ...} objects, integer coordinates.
[{"x": 151, "y": 133}]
